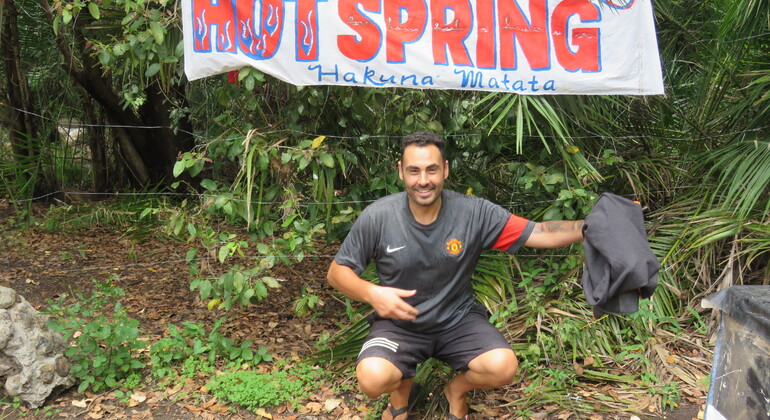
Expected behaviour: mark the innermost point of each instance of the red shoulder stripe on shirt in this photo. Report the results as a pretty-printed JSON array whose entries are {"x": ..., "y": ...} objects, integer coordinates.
[{"x": 513, "y": 229}]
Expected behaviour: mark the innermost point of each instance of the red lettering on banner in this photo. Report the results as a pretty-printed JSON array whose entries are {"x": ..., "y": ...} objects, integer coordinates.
[
  {"x": 367, "y": 47},
  {"x": 586, "y": 40},
  {"x": 506, "y": 36},
  {"x": 399, "y": 32},
  {"x": 213, "y": 22},
  {"x": 268, "y": 33},
  {"x": 450, "y": 35},
  {"x": 531, "y": 35},
  {"x": 307, "y": 30},
  {"x": 485, "y": 34}
]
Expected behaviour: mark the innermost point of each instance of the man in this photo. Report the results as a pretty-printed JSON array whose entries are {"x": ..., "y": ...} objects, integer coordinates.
[{"x": 426, "y": 243}]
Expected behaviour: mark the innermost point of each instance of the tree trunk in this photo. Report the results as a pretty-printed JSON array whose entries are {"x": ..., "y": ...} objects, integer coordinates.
[
  {"x": 148, "y": 145},
  {"x": 23, "y": 127},
  {"x": 160, "y": 151},
  {"x": 22, "y": 116},
  {"x": 97, "y": 138}
]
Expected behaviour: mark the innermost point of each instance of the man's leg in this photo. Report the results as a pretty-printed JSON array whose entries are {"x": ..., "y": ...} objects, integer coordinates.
[
  {"x": 378, "y": 376},
  {"x": 491, "y": 369}
]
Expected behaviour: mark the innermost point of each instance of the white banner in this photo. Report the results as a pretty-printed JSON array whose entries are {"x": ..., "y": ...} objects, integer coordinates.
[{"x": 531, "y": 47}]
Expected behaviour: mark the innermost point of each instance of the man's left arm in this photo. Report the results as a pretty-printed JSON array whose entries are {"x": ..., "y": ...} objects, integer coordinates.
[{"x": 555, "y": 233}]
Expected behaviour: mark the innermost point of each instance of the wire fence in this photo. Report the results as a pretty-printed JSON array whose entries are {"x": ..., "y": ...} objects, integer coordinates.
[
  {"x": 206, "y": 141},
  {"x": 291, "y": 131},
  {"x": 52, "y": 270}
]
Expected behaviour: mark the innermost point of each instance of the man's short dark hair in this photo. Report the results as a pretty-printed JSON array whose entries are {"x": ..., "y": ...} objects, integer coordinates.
[{"x": 422, "y": 139}]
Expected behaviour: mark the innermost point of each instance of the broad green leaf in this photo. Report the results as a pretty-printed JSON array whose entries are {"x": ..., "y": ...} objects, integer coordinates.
[
  {"x": 56, "y": 23},
  {"x": 209, "y": 184},
  {"x": 197, "y": 168},
  {"x": 327, "y": 160},
  {"x": 238, "y": 282},
  {"x": 246, "y": 296},
  {"x": 249, "y": 83},
  {"x": 104, "y": 57},
  {"x": 157, "y": 31},
  {"x": 271, "y": 282},
  {"x": 224, "y": 251},
  {"x": 152, "y": 70},
  {"x": 83, "y": 386},
  {"x": 260, "y": 289},
  {"x": 264, "y": 161},
  {"x": 93, "y": 8},
  {"x": 120, "y": 48},
  {"x": 179, "y": 167},
  {"x": 205, "y": 289}
]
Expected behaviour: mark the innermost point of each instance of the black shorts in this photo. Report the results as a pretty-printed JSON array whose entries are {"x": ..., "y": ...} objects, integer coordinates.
[{"x": 457, "y": 346}]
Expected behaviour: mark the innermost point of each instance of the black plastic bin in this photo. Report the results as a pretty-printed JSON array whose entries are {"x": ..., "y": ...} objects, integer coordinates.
[{"x": 740, "y": 375}]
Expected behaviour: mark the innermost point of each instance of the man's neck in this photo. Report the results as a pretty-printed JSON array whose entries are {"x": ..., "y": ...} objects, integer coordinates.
[{"x": 425, "y": 215}]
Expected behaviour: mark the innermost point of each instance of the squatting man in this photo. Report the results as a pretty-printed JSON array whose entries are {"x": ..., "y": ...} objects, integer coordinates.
[{"x": 426, "y": 242}]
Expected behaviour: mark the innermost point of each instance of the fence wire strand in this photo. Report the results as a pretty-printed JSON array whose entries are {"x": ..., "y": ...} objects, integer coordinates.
[{"x": 287, "y": 131}]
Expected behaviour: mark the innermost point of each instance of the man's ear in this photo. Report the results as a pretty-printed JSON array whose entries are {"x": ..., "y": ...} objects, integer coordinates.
[
  {"x": 446, "y": 169},
  {"x": 400, "y": 175}
]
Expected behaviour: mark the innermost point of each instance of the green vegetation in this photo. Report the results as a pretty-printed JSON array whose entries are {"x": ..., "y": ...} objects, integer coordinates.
[
  {"x": 253, "y": 390},
  {"x": 261, "y": 174},
  {"x": 104, "y": 345},
  {"x": 107, "y": 350}
]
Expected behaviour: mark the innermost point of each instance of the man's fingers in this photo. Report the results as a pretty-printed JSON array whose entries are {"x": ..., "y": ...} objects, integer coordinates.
[
  {"x": 410, "y": 309},
  {"x": 391, "y": 305},
  {"x": 407, "y": 314},
  {"x": 406, "y": 308},
  {"x": 404, "y": 292}
]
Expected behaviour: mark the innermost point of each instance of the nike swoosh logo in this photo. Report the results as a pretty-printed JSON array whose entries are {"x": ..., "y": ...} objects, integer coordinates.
[{"x": 390, "y": 250}]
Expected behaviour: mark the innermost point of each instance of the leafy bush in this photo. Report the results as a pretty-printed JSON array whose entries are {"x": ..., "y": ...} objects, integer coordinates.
[
  {"x": 104, "y": 346},
  {"x": 192, "y": 346},
  {"x": 104, "y": 349},
  {"x": 255, "y": 390}
]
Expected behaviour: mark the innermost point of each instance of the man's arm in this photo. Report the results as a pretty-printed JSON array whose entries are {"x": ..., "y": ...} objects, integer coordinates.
[
  {"x": 555, "y": 233},
  {"x": 386, "y": 301}
]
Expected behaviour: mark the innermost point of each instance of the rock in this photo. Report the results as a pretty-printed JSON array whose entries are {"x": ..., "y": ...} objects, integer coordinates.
[
  {"x": 31, "y": 354},
  {"x": 7, "y": 297}
]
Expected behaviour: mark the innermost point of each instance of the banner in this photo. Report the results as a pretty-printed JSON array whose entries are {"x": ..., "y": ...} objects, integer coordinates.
[{"x": 530, "y": 47}]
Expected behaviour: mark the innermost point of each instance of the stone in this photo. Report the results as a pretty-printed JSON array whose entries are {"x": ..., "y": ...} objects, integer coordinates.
[
  {"x": 32, "y": 357},
  {"x": 7, "y": 297}
]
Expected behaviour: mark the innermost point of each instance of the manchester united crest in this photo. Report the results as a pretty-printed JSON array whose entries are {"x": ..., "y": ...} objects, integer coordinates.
[{"x": 454, "y": 246}]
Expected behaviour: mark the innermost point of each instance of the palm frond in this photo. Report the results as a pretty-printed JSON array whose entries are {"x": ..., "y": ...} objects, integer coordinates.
[{"x": 743, "y": 170}]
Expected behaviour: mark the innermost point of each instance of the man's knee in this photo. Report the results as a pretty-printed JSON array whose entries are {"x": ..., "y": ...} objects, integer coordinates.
[
  {"x": 377, "y": 376},
  {"x": 509, "y": 367},
  {"x": 499, "y": 366}
]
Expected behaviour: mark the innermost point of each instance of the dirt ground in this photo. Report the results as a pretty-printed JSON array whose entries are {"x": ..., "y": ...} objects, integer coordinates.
[{"x": 44, "y": 266}]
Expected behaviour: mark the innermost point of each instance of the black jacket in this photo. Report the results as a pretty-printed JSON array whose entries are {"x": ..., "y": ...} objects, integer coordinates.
[{"x": 619, "y": 264}]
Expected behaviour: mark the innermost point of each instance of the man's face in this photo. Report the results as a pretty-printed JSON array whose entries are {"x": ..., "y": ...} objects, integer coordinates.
[{"x": 423, "y": 171}]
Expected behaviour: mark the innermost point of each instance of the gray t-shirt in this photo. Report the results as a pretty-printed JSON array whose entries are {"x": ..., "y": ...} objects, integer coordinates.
[{"x": 436, "y": 259}]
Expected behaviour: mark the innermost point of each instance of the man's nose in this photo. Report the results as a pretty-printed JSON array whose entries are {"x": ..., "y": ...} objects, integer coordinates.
[{"x": 423, "y": 178}]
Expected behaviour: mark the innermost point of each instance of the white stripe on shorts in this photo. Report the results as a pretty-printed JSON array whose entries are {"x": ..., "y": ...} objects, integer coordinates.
[{"x": 381, "y": 342}]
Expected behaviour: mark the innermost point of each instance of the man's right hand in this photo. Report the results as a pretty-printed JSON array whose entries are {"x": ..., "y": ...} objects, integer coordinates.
[{"x": 388, "y": 302}]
